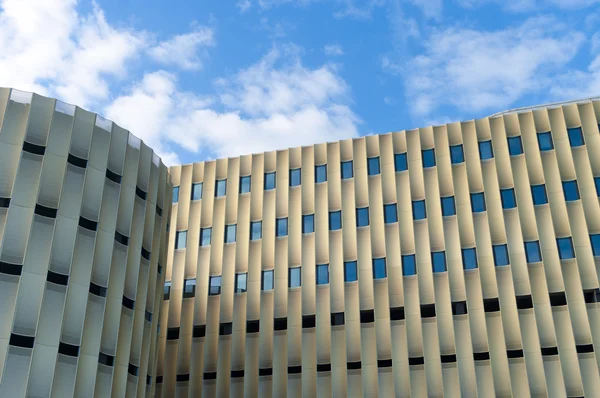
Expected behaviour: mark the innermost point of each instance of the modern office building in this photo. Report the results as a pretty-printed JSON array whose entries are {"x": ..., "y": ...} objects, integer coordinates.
[{"x": 455, "y": 260}]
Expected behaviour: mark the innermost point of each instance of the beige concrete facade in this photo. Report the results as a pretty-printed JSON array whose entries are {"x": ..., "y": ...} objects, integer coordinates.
[{"x": 459, "y": 260}]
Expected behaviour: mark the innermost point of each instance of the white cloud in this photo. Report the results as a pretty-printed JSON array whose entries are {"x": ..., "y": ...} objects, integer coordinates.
[
  {"x": 182, "y": 50},
  {"x": 243, "y": 5},
  {"x": 531, "y": 5},
  {"x": 333, "y": 49},
  {"x": 358, "y": 9}
]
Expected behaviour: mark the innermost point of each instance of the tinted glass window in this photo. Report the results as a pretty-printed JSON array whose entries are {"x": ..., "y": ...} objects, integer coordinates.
[
  {"x": 294, "y": 277},
  {"x": 197, "y": 191},
  {"x": 362, "y": 217},
  {"x": 255, "y": 230},
  {"x": 321, "y": 173},
  {"x": 401, "y": 161},
  {"x": 428, "y": 158},
  {"x": 575, "y": 136},
  {"x": 597, "y": 182},
  {"x": 509, "y": 201},
  {"x": 438, "y": 261},
  {"x": 167, "y": 290},
  {"x": 501, "y": 255},
  {"x": 347, "y": 170},
  {"x": 478, "y": 202},
  {"x": 350, "y": 271},
  {"x": 565, "y": 248},
  {"x": 181, "y": 239},
  {"x": 373, "y": 166},
  {"x": 469, "y": 258},
  {"x": 448, "y": 206},
  {"x": 379, "y": 269},
  {"x": 419, "y": 210},
  {"x": 221, "y": 188},
  {"x": 282, "y": 227},
  {"x": 241, "y": 283},
  {"x": 214, "y": 285},
  {"x": 335, "y": 220},
  {"x": 295, "y": 177},
  {"x": 539, "y": 194},
  {"x": 267, "y": 280},
  {"x": 595, "y": 239},
  {"x": 244, "y": 184},
  {"x": 189, "y": 287},
  {"x": 457, "y": 154},
  {"x": 545, "y": 141},
  {"x": 175, "y": 194},
  {"x": 205, "y": 236},
  {"x": 322, "y": 274},
  {"x": 308, "y": 223},
  {"x": 533, "y": 252},
  {"x": 485, "y": 150},
  {"x": 409, "y": 265},
  {"x": 390, "y": 213},
  {"x": 230, "y": 231},
  {"x": 515, "y": 146},
  {"x": 269, "y": 181},
  {"x": 571, "y": 191}
]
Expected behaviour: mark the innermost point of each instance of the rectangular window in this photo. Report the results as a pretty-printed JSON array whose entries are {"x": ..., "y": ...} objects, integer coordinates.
[
  {"x": 545, "y": 141},
  {"x": 501, "y": 255},
  {"x": 322, "y": 274},
  {"x": 379, "y": 269},
  {"x": 214, "y": 285},
  {"x": 457, "y": 154},
  {"x": 347, "y": 170},
  {"x": 565, "y": 248},
  {"x": 197, "y": 191},
  {"x": 571, "y": 190},
  {"x": 373, "y": 166},
  {"x": 256, "y": 230},
  {"x": 269, "y": 181},
  {"x": 335, "y": 220},
  {"x": 390, "y": 213},
  {"x": 320, "y": 173},
  {"x": 205, "y": 236},
  {"x": 308, "y": 223},
  {"x": 595, "y": 240},
  {"x": 469, "y": 257},
  {"x": 167, "y": 290},
  {"x": 485, "y": 150},
  {"x": 175, "y": 194},
  {"x": 401, "y": 161},
  {"x": 295, "y": 177},
  {"x": 362, "y": 217},
  {"x": 438, "y": 261},
  {"x": 419, "y": 210},
  {"x": 241, "y": 283},
  {"x": 282, "y": 227},
  {"x": 266, "y": 282},
  {"x": 448, "y": 206},
  {"x": 509, "y": 201},
  {"x": 294, "y": 277},
  {"x": 478, "y": 202},
  {"x": 189, "y": 288},
  {"x": 230, "y": 231},
  {"x": 539, "y": 194},
  {"x": 409, "y": 265},
  {"x": 428, "y": 158},
  {"x": 245, "y": 184},
  {"x": 180, "y": 239},
  {"x": 220, "y": 188},
  {"x": 515, "y": 146},
  {"x": 575, "y": 136},
  {"x": 597, "y": 183},
  {"x": 533, "y": 252},
  {"x": 350, "y": 271}
]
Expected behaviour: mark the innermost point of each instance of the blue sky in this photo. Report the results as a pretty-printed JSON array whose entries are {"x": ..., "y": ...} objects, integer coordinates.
[{"x": 205, "y": 79}]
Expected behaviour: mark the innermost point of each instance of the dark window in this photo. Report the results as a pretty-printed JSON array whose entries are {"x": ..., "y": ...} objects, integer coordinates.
[
  {"x": 409, "y": 265},
  {"x": 295, "y": 277},
  {"x": 255, "y": 230},
  {"x": 322, "y": 274},
  {"x": 180, "y": 239},
  {"x": 448, "y": 206},
  {"x": 308, "y": 223},
  {"x": 295, "y": 177},
  {"x": 539, "y": 194},
  {"x": 350, "y": 271},
  {"x": 595, "y": 240},
  {"x": 545, "y": 141},
  {"x": 558, "y": 299},
  {"x": 175, "y": 194},
  {"x": 401, "y": 162},
  {"x": 172, "y": 333},
  {"x": 501, "y": 255},
  {"x": 205, "y": 236},
  {"x": 509, "y": 201},
  {"x": 220, "y": 188},
  {"x": 428, "y": 158},
  {"x": 478, "y": 202},
  {"x": 596, "y": 182},
  {"x": 485, "y": 150},
  {"x": 373, "y": 166},
  {"x": 362, "y": 217},
  {"x": 565, "y": 248},
  {"x": 214, "y": 285},
  {"x": 419, "y": 210},
  {"x": 230, "y": 231},
  {"x": 245, "y": 184},
  {"x": 515, "y": 146},
  {"x": 533, "y": 252},
  {"x": 309, "y": 321},
  {"x": 197, "y": 191},
  {"x": 469, "y": 257},
  {"x": 266, "y": 282},
  {"x": 347, "y": 170},
  {"x": 367, "y": 316},
  {"x": 390, "y": 213},
  {"x": 335, "y": 220},
  {"x": 167, "y": 290},
  {"x": 189, "y": 288},
  {"x": 575, "y": 136},
  {"x": 571, "y": 190},
  {"x": 321, "y": 173},
  {"x": 379, "y": 268},
  {"x": 459, "y": 308},
  {"x": 337, "y": 319},
  {"x": 282, "y": 227},
  {"x": 438, "y": 261},
  {"x": 457, "y": 154},
  {"x": 269, "y": 181},
  {"x": 241, "y": 283}
]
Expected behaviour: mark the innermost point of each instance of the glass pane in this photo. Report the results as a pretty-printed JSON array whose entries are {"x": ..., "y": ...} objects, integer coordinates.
[
  {"x": 532, "y": 252},
  {"x": 245, "y": 184},
  {"x": 181, "y": 240},
  {"x": 565, "y": 248},
  {"x": 267, "y": 281},
  {"x": 362, "y": 217},
  {"x": 230, "y": 233},
  {"x": 197, "y": 191},
  {"x": 269, "y": 181},
  {"x": 350, "y": 271},
  {"x": 428, "y": 158},
  {"x": 469, "y": 258},
  {"x": 448, "y": 206},
  {"x": 597, "y": 182},
  {"x": 595, "y": 239},
  {"x": 256, "y": 230},
  {"x": 241, "y": 283},
  {"x": 373, "y": 166},
  {"x": 571, "y": 191},
  {"x": 295, "y": 177},
  {"x": 545, "y": 141},
  {"x": 390, "y": 213},
  {"x": 539, "y": 194},
  {"x": 401, "y": 161},
  {"x": 379, "y": 269},
  {"x": 205, "y": 236},
  {"x": 419, "y": 211},
  {"x": 175, "y": 194},
  {"x": 456, "y": 154},
  {"x": 322, "y": 274},
  {"x": 189, "y": 286},
  {"x": 575, "y": 136},
  {"x": 221, "y": 188},
  {"x": 409, "y": 265},
  {"x": 295, "y": 277},
  {"x": 347, "y": 170},
  {"x": 509, "y": 201},
  {"x": 485, "y": 150},
  {"x": 282, "y": 227},
  {"x": 515, "y": 146},
  {"x": 321, "y": 173},
  {"x": 478, "y": 202},
  {"x": 335, "y": 220},
  {"x": 308, "y": 223},
  {"x": 438, "y": 260},
  {"x": 501, "y": 255},
  {"x": 214, "y": 285}
]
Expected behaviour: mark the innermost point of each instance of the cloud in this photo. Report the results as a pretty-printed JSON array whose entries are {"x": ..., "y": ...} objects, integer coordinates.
[
  {"x": 243, "y": 5},
  {"x": 333, "y": 50},
  {"x": 431, "y": 8},
  {"x": 531, "y": 5},
  {"x": 182, "y": 50},
  {"x": 357, "y": 9}
]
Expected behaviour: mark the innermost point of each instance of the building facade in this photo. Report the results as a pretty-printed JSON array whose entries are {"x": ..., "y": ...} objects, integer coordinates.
[{"x": 455, "y": 260}]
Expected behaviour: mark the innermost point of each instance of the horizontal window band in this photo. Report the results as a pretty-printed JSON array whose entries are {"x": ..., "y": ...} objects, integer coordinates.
[
  {"x": 252, "y": 326},
  {"x": 237, "y": 373},
  {"x": 128, "y": 303},
  {"x": 448, "y": 358},
  {"x": 148, "y": 316},
  {"x": 323, "y": 367},
  {"x": 481, "y": 356},
  {"x": 18, "y": 340},
  {"x": 132, "y": 369},
  {"x": 265, "y": 372},
  {"x": 11, "y": 269},
  {"x": 122, "y": 239},
  {"x": 294, "y": 370},
  {"x": 4, "y": 202},
  {"x": 367, "y": 316},
  {"x": 524, "y": 302},
  {"x": 416, "y": 361},
  {"x": 547, "y": 351},
  {"x": 558, "y": 299},
  {"x": 427, "y": 310},
  {"x": 114, "y": 177},
  {"x": 354, "y": 365},
  {"x": 397, "y": 314},
  {"x": 56, "y": 278},
  {"x": 145, "y": 254},
  {"x": 88, "y": 224},
  {"x": 584, "y": 348},
  {"x": 280, "y": 324},
  {"x": 159, "y": 379},
  {"x": 68, "y": 349},
  {"x": 97, "y": 290},
  {"x": 183, "y": 378},
  {"x": 140, "y": 193},
  {"x": 45, "y": 211},
  {"x": 105, "y": 359},
  {"x": 225, "y": 329},
  {"x": 384, "y": 363},
  {"x": 172, "y": 333},
  {"x": 514, "y": 353},
  {"x": 77, "y": 161},
  {"x": 199, "y": 331},
  {"x": 491, "y": 305},
  {"x": 309, "y": 321},
  {"x": 34, "y": 148}
]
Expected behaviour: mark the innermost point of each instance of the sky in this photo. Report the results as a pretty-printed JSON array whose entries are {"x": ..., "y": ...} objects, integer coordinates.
[{"x": 199, "y": 79}]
